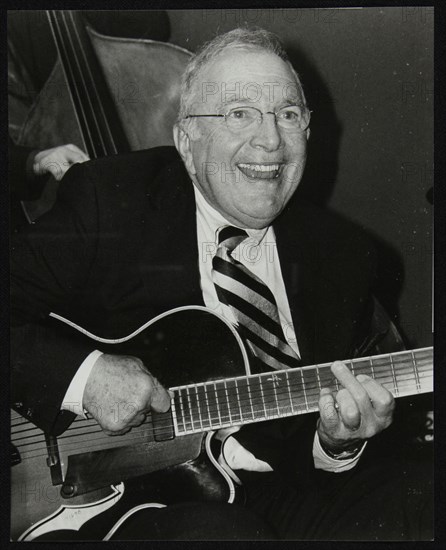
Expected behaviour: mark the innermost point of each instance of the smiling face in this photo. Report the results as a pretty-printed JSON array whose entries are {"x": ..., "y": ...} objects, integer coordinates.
[{"x": 249, "y": 175}]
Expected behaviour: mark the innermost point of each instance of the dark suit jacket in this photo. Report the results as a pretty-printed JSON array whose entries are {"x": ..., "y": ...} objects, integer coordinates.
[{"x": 120, "y": 247}]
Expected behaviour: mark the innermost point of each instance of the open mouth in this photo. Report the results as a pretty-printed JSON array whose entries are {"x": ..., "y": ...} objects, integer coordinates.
[{"x": 260, "y": 171}]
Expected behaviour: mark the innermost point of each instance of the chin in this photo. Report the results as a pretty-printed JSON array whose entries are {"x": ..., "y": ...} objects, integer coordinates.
[{"x": 258, "y": 220}]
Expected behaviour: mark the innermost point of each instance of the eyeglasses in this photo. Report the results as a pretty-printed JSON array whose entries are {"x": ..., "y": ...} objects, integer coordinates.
[{"x": 293, "y": 118}]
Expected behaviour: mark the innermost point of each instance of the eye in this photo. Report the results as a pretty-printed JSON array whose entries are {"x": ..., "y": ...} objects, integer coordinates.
[
  {"x": 289, "y": 115},
  {"x": 240, "y": 114}
]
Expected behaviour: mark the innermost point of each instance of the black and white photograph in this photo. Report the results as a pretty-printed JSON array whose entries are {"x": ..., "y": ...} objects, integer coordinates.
[{"x": 221, "y": 273}]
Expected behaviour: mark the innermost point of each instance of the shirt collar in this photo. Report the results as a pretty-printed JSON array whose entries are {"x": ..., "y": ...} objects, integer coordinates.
[{"x": 217, "y": 221}]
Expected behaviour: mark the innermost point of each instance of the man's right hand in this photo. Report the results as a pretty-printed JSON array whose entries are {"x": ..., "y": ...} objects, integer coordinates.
[{"x": 120, "y": 392}]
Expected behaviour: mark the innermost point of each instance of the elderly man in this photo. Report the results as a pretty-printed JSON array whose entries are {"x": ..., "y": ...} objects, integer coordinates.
[{"x": 131, "y": 237}]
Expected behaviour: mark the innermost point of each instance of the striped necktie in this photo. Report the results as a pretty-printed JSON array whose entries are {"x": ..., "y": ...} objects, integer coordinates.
[{"x": 252, "y": 303}]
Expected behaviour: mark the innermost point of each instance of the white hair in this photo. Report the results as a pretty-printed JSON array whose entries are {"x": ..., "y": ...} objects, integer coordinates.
[{"x": 240, "y": 38}]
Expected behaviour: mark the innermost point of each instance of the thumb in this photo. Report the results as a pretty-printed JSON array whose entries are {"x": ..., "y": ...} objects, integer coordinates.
[{"x": 160, "y": 401}]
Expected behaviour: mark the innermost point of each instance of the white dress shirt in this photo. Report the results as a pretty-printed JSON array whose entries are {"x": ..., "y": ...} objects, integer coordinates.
[{"x": 260, "y": 255}]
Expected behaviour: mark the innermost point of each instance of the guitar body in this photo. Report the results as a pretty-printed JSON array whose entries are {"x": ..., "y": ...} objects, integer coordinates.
[
  {"x": 39, "y": 512},
  {"x": 84, "y": 497},
  {"x": 84, "y": 485}
]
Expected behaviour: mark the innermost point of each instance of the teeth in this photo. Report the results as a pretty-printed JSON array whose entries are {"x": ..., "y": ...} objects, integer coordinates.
[{"x": 260, "y": 167}]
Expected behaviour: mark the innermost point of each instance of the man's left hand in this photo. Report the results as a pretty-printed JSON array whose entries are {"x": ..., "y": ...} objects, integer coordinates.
[{"x": 359, "y": 410}]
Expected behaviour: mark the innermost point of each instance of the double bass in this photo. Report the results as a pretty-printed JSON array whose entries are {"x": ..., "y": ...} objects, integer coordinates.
[{"x": 107, "y": 95}]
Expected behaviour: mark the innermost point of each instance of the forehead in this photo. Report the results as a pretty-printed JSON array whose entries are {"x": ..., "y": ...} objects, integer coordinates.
[{"x": 259, "y": 77}]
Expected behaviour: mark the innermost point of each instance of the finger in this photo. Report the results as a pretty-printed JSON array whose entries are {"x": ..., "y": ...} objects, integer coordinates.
[
  {"x": 71, "y": 157},
  {"x": 79, "y": 153},
  {"x": 356, "y": 389},
  {"x": 57, "y": 170},
  {"x": 47, "y": 165},
  {"x": 348, "y": 409},
  {"x": 382, "y": 400},
  {"x": 160, "y": 398},
  {"x": 116, "y": 432},
  {"x": 327, "y": 408}
]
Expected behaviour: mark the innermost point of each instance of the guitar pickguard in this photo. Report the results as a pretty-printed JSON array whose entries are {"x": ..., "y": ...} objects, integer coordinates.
[{"x": 72, "y": 517}]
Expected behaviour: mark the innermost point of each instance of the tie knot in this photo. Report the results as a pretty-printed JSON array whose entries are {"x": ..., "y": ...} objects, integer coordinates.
[{"x": 231, "y": 236}]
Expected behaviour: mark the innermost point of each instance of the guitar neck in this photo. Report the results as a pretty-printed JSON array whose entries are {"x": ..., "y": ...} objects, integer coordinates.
[{"x": 255, "y": 398}]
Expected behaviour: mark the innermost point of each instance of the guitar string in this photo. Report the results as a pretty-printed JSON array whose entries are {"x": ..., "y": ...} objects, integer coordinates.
[
  {"x": 142, "y": 438},
  {"x": 202, "y": 423},
  {"x": 300, "y": 386},
  {"x": 195, "y": 427},
  {"x": 315, "y": 370},
  {"x": 293, "y": 387}
]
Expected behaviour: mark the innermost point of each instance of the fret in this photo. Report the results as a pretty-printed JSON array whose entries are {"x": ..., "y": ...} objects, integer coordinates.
[
  {"x": 382, "y": 373},
  {"x": 352, "y": 367},
  {"x": 234, "y": 401},
  {"x": 303, "y": 389},
  {"x": 336, "y": 382},
  {"x": 289, "y": 391},
  {"x": 274, "y": 379},
  {"x": 415, "y": 370},
  {"x": 424, "y": 358},
  {"x": 263, "y": 396},
  {"x": 200, "y": 418},
  {"x": 393, "y": 375},
  {"x": 312, "y": 387},
  {"x": 238, "y": 400},
  {"x": 268, "y": 394},
  {"x": 216, "y": 403},
  {"x": 326, "y": 377},
  {"x": 189, "y": 407},
  {"x": 245, "y": 399},
  {"x": 282, "y": 392},
  {"x": 372, "y": 367},
  {"x": 318, "y": 378},
  {"x": 404, "y": 372},
  {"x": 228, "y": 402},
  {"x": 185, "y": 406},
  {"x": 256, "y": 397},
  {"x": 207, "y": 405},
  {"x": 222, "y": 400},
  {"x": 362, "y": 366}
]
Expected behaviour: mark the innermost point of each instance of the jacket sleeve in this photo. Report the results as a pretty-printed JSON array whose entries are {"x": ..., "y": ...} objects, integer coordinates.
[
  {"x": 50, "y": 262},
  {"x": 23, "y": 184}
]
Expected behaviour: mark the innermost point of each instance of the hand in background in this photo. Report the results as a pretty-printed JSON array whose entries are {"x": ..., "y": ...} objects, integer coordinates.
[{"x": 57, "y": 160}]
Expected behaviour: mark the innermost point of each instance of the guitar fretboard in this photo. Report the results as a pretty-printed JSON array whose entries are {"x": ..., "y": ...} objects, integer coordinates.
[{"x": 246, "y": 399}]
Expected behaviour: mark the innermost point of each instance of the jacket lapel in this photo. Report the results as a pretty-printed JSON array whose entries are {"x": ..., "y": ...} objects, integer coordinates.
[
  {"x": 169, "y": 262},
  {"x": 297, "y": 271}
]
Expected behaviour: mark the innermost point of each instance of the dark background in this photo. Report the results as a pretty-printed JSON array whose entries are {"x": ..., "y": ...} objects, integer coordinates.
[{"x": 368, "y": 76}]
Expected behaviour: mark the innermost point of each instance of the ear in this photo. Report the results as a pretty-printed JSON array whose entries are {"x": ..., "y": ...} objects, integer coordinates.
[
  {"x": 182, "y": 143},
  {"x": 308, "y": 133}
]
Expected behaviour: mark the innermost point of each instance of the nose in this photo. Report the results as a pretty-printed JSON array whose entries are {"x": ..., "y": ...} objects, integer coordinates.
[{"x": 267, "y": 135}]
